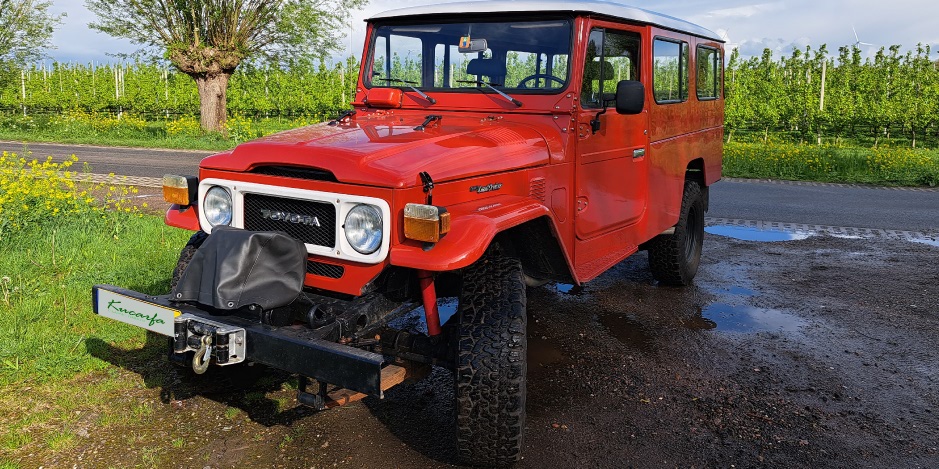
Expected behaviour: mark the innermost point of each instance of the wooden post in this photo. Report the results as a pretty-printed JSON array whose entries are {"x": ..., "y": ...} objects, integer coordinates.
[
  {"x": 821, "y": 100},
  {"x": 23, "y": 86},
  {"x": 342, "y": 83}
]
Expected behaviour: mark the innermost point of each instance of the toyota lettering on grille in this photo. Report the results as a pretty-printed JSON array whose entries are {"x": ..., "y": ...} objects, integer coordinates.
[{"x": 288, "y": 217}]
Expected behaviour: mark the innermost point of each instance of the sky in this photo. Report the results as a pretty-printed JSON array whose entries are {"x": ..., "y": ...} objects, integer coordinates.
[{"x": 749, "y": 26}]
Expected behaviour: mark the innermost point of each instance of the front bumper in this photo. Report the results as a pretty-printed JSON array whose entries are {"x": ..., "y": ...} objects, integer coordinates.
[{"x": 288, "y": 348}]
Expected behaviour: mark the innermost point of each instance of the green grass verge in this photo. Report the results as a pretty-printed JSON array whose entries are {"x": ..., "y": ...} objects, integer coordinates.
[
  {"x": 131, "y": 131},
  {"x": 47, "y": 328},
  {"x": 206, "y": 143},
  {"x": 828, "y": 163}
]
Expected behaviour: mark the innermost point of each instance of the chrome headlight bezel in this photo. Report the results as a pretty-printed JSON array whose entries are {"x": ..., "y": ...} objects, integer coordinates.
[
  {"x": 217, "y": 207},
  {"x": 364, "y": 228}
]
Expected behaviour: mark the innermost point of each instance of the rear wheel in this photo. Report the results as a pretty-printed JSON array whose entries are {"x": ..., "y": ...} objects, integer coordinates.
[
  {"x": 491, "y": 362},
  {"x": 674, "y": 258}
]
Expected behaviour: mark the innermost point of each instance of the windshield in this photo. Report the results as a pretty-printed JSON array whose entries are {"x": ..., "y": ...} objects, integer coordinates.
[{"x": 521, "y": 56}]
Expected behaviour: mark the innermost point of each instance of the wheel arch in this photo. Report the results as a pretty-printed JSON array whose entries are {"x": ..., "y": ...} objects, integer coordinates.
[
  {"x": 696, "y": 171},
  {"x": 536, "y": 244}
]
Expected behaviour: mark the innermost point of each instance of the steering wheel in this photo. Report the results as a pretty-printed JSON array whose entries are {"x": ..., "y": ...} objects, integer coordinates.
[{"x": 536, "y": 76}]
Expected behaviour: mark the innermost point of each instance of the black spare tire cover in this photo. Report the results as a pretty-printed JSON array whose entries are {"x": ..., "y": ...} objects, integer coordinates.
[{"x": 236, "y": 268}]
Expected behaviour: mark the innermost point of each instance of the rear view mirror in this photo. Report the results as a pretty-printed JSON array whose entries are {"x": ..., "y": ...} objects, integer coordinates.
[
  {"x": 630, "y": 97},
  {"x": 475, "y": 45}
]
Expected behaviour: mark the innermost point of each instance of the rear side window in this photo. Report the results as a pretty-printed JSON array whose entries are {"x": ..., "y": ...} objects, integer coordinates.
[
  {"x": 708, "y": 73},
  {"x": 670, "y": 71}
]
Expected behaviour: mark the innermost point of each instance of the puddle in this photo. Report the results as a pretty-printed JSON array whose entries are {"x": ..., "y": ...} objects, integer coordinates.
[
  {"x": 543, "y": 351},
  {"x": 627, "y": 331},
  {"x": 755, "y": 234},
  {"x": 728, "y": 318},
  {"x": 568, "y": 288},
  {"x": 415, "y": 321}
]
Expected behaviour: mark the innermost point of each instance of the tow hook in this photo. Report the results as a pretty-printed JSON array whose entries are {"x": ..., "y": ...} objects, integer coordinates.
[
  {"x": 211, "y": 342},
  {"x": 203, "y": 356}
]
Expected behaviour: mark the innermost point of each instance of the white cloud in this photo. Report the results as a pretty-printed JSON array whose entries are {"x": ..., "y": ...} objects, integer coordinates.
[{"x": 745, "y": 11}]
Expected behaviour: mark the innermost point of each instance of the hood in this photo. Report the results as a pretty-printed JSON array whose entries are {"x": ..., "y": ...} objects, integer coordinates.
[{"x": 386, "y": 151}]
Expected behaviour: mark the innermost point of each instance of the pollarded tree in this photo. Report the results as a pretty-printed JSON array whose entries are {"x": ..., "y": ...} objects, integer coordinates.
[
  {"x": 208, "y": 39},
  {"x": 25, "y": 29}
]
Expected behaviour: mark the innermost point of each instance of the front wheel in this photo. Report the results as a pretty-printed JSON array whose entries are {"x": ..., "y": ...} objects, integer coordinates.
[
  {"x": 185, "y": 257},
  {"x": 674, "y": 258},
  {"x": 491, "y": 362}
]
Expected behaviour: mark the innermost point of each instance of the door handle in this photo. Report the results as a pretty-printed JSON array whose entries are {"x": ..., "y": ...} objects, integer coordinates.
[{"x": 639, "y": 153}]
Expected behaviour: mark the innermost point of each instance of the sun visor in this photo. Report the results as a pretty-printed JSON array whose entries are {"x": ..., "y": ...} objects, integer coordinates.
[{"x": 235, "y": 268}]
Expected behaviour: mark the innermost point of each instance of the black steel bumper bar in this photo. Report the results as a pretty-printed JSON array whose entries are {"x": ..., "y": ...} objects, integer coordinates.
[{"x": 288, "y": 348}]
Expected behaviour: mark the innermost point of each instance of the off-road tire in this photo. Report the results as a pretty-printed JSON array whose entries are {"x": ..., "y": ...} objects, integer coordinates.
[
  {"x": 185, "y": 256},
  {"x": 491, "y": 362},
  {"x": 674, "y": 258}
]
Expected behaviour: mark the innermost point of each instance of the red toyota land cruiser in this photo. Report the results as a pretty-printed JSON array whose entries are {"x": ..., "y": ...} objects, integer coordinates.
[{"x": 492, "y": 146}]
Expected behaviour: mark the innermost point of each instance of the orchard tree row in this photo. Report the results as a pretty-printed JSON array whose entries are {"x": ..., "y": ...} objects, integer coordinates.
[
  {"x": 303, "y": 88},
  {"x": 813, "y": 95},
  {"x": 808, "y": 94}
]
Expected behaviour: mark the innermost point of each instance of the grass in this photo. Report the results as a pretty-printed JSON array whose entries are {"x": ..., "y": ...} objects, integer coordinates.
[
  {"x": 62, "y": 368},
  {"x": 832, "y": 163},
  {"x": 47, "y": 329},
  {"x": 128, "y": 130},
  {"x": 73, "y": 384}
]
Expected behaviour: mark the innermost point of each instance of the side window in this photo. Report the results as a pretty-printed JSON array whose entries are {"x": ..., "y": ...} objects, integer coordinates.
[
  {"x": 670, "y": 71},
  {"x": 612, "y": 56},
  {"x": 708, "y": 73}
]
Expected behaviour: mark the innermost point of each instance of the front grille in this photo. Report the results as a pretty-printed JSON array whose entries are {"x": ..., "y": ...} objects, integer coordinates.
[
  {"x": 325, "y": 270},
  {"x": 304, "y": 214}
]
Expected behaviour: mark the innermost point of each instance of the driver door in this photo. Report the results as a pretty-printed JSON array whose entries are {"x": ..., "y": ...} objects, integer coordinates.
[{"x": 611, "y": 171}]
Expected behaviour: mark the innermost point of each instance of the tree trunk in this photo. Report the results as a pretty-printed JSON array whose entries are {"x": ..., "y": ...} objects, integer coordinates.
[{"x": 213, "y": 90}]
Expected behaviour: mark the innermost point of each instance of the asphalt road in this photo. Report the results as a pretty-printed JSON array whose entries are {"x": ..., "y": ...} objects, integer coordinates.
[
  {"x": 121, "y": 161},
  {"x": 817, "y": 204},
  {"x": 827, "y": 204}
]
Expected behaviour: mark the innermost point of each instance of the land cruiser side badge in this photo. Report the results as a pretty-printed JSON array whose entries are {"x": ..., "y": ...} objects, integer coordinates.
[{"x": 488, "y": 188}]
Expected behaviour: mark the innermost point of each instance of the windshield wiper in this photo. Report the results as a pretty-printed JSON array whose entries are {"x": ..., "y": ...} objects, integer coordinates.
[
  {"x": 410, "y": 84},
  {"x": 488, "y": 85}
]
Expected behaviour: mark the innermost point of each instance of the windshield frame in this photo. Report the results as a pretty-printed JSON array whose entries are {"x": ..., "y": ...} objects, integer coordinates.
[{"x": 369, "y": 83}]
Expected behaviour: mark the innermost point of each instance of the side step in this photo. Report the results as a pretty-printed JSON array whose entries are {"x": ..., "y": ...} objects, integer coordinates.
[{"x": 391, "y": 375}]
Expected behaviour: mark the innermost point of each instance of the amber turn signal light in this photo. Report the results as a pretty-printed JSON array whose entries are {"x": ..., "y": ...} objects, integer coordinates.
[
  {"x": 180, "y": 190},
  {"x": 426, "y": 223}
]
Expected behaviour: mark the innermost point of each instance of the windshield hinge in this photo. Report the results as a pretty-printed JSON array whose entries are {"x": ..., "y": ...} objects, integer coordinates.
[
  {"x": 428, "y": 186},
  {"x": 345, "y": 114},
  {"x": 427, "y": 121}
]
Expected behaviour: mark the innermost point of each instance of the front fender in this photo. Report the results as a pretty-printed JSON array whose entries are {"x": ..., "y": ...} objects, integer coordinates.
[
  {"x": 472, "y": 228},
  {"x": 185, "y": 217}
]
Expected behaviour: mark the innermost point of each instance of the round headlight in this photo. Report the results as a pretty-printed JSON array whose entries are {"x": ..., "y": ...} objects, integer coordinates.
[
  {"x": 363, "y": 228},
  {"x": 217, "y": 206}
]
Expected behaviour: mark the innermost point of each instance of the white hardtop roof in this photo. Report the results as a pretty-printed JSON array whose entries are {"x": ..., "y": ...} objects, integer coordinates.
[{"x": 616, "y": 10}]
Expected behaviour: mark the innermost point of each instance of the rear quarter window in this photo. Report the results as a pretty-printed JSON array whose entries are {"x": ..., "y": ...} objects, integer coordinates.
[
  {"x": 670, "y": 60},
  {"x": 708, "y": 78}
]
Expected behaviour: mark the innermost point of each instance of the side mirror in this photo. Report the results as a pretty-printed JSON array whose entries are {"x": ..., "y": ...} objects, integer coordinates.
[{"x": 630, "y": 97}]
